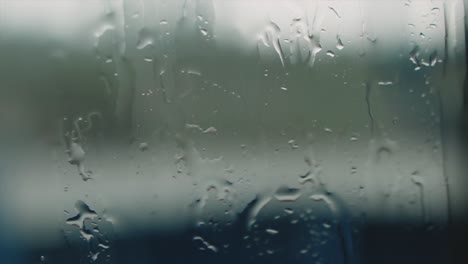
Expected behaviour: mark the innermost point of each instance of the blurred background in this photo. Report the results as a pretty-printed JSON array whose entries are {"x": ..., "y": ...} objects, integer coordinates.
[{"x": 220, "y": 131}]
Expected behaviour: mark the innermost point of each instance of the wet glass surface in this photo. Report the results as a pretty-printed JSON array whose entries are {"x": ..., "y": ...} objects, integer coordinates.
[{"x": 222, "y": 131}]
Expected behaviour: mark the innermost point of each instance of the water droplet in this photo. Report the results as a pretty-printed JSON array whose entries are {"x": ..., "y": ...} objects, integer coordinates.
[
  {"x": 144, "y": 39},
  {"x": 433, "y": 58},
  {"x": 383, "y": 152},
  {"x": 287, "y": 194},
  {"x": 328, "y": 130},
  {"x": 271, "y": 231},
  {"x": 289, "y": 211},
  {"x": 205, "y": 244},
  {"x": 292, "y": 144},
  {"x": 143, "y": 146},
  {"x": 204, "y": 31},
  {"x": 284, "y": 88},
  {"x": 83, "y": 212},
  {"x": 385, "y": 83},
  {"x": 339, "y": 44},
  {"x": 414, "y": 56},
  {"x": 76, "y": 154},
  {"x": 136, "y": 15},
  {"x": 331, "y": 53},
  {"x": 254, "y": 208},
  {"x": 334, "y": 11},
  {"x": 272, "y": 35},
  {"x": 163, "y": 22},
  {"x": 327, "y": 199},
  {"x": 94, "y": 256},
  {"x": 419, "y": 181},
  {"x": 210, "y": 130}
]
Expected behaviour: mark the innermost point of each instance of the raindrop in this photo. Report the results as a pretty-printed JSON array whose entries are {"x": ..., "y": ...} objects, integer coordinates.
[
  {"x": 382, "y": 152},
  {"x": 84, "y": 212},
  {"x": 271, "y": 231},
  {"x": 287, "y": 194},
  {"x": 205, "y": 244},
  {"x": 292, "y": 144},
  {"x": 327, "y": 199},
  {"x": 76, "y": 156},
  {"x": 143, "y": 146},
  {"x": 339, "y": 44},
  {"x": 331, "y": 53},
  {"x": 433, "y": 58},
  {"x": 274, "y": 33},
  {"x": 204, "y": 31},
  {"x": 144, "y": 39},
  {"x": 419, "y": 181},
  {"x": 254, "y": 208},
  {"x": 385, "y": 83},
  {"x": 334, "y": 11},
  {"x": 414, "y": 55},
  {"x": 210, "y": 130}
]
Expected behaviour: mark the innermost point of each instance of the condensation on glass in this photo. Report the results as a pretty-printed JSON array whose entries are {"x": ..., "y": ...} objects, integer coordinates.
[{"x": 264, "y": 130}]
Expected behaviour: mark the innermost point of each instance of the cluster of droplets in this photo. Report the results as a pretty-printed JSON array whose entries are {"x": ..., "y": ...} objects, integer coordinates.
[
  {"x": 87, "y": 221},
  {"x": 298, "y": 46},
  {"x": 416, "y": 58}
]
